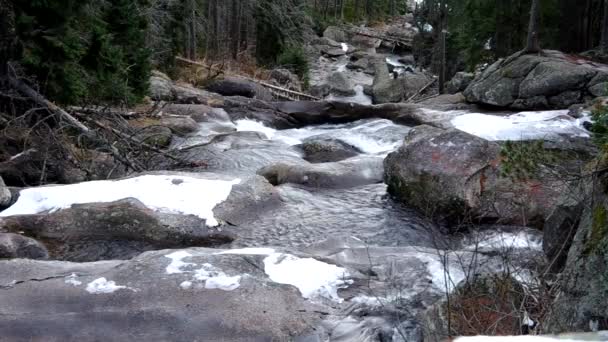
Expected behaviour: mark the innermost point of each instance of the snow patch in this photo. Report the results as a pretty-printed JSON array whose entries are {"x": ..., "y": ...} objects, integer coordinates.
[
  {"x": 102, "y": 285},
  {"x": 521, "y": 126},
  {"x": 344, "y": 47},
  {"x": 314, "y": 279},
  {"x": 72, "y": 280},
  {"x": 175, "y": 194},
  {"x": 213, "y": 277}
]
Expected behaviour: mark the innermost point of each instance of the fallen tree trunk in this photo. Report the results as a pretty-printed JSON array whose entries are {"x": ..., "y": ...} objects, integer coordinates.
[{"x": 42, "y": 101}]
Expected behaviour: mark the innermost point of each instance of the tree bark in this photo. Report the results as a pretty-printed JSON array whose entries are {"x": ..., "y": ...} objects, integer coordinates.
[
  {"x": 604, "y": 38},
  {"x": 533, "y": 43}
]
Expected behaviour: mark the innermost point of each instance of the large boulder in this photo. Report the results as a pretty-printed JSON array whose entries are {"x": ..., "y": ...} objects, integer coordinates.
[
  {"x": 451, "y": 173},
  {"x": 19, "y": 246},
  {"x": 5, "y": 194},
  {"x": 126, "y": 227},
  {"x": 327, "y": 150},
  {"x": 551, "y": 80},
  {"x": 340, "y": 85},
  {"x": 344, "y": 174},
  {"x": 160, "y": 87},
  {"x": 178, "y": 295},
  {"x": 179, "y": 125},
  {"x": 580, "y": 304},
  {"x": 335, "y": 33},
  {"x": 234, "y": 86}
]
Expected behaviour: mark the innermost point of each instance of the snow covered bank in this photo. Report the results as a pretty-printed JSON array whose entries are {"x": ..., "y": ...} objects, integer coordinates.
[
  {"x": 176, "y": 194},
  {"x": 521, "y": 126}
]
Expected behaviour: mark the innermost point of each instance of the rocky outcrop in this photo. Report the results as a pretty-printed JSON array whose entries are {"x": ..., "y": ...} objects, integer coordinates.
[
  {"x": 327, "y": 150},
  {"x": 179, "y": 125},
  {"x": 18, "y": 246},
  {"x": 551, "y": 80},
  {"x": 581, "y": 303},
  {"x": 453, "y": 174}
]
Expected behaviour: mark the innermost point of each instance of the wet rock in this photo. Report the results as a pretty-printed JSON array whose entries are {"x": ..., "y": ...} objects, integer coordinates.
[
  {"x": 340, "y": 85},
  {"x": 327, "y": 150},
  {"x": 530, "y": 82},
  {"x": 320, "y": 90},
  {"x": 234, "y": 86},
  {"x": 451, "y": 172},
  {"x": 180, "y": 125},
  {"x": 459, "y": 82},
  {"x": 559, "y": 230},
  {"x": 224, "y": 297},
  {"x": 17, "y": 246},
  {"x": 333, "y": 52},
  {"x": 348, "y": 173},
  {"x": 387, "y": 89},
  {"x": 188, "y": 94},
  {"x": 491, "y": 299},
  {"x": 267, "y": 113}
]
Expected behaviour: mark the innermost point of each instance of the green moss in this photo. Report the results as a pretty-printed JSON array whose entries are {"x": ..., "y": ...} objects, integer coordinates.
[{"x": 599, "y": 230}]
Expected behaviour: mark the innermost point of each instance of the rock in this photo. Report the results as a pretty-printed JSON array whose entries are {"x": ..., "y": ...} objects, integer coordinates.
[
  {"x": 387, "y": 90},
  {"x": 348, "y": 173},
  {"x": 491, "y": 299},
  {"x": 333, "y": 52},
  {"x": 180, "y": 125},
  {"x": 198, "y": 112},
  {"x": 320, "y": 90},
  {"x": 459, "y": 82},
  {"x": 17, "y": 246},
  {"x": 532, "y": 82},
  {"x": 335, "y": 33},
  {"x": 559, "y": 230},
  {"x": 234, "y": 86},
  {"x": 362, "y": 64},
  {"x": 550, "y": 78},
  {"x": 286, "y": 78},
  {"x": 223, "y": 297},
  {"x": 340, "y": 85},
  {"x": 267, "y": 113},
  {"x": 445, "y": 99},
  {"x": 157, "y": 136},
  {"x": 122, "y": 229},
  {"x": 160, "y": 87},
  {"x": 600, "y": 89},
  {"x": 580, "y": 304},
  {"x": 187, "y": 94},
  {"x": 565, "y": 99},
  {"x": 327, "y": 150},
  {"x": 5, "y": 194},
  {"x": 451, "y": 172}
]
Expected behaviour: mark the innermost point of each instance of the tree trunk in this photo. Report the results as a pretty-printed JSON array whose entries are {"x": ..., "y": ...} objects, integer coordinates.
[
  {"x": 604, "y": 39},
  {"x": 533, "y": 43},
  {"x": 235, "y": 27},
  {"x": 7, "y": 37},
  {"x": 442, "y": 48},
  {"x": 193, "y": 41}
]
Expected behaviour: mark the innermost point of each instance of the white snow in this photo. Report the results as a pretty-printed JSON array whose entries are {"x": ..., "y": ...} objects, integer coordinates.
[
  {"x": 249, "y": 251},
  {"x": 176, "y": 194},
  {"x": 443, "y": 279},
  {"x": 314, "y": 279},
  {"x": 72, "y": 280},
  {"x": 102, "y": 285},
  {"x": 213, "y": 277},
  {"x": 521, "y": 126},
  {"x": 344, "y": 47},
  {"x": 176, "y": 262}
]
